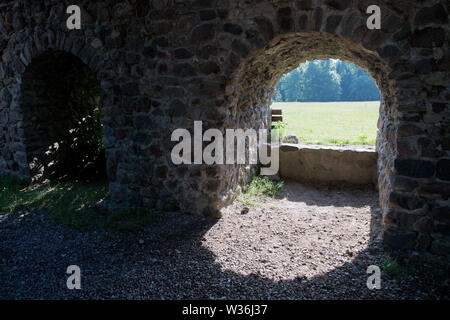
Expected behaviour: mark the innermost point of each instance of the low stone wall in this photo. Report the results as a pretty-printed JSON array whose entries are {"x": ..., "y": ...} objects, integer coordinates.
[{"x": 332, "y": 165}]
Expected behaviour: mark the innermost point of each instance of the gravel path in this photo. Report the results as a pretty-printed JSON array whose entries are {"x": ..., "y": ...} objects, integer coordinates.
[{"x": 311, "y": 244}]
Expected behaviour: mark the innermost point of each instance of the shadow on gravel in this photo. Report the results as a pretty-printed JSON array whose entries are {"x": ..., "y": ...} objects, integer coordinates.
[{"x": 169, "y": 261}]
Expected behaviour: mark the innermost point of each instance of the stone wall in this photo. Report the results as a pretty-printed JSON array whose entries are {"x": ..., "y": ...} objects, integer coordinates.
[
  {"x": 165, "y": 63},
  {"x": 327, "y": 165}
]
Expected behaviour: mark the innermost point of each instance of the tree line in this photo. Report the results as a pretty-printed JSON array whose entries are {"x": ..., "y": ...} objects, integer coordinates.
[{"x": 325, "y": 81}]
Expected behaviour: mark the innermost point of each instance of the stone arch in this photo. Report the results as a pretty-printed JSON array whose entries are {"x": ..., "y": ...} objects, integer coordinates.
[
  {"x": 89, "y": 57},
  {"x": 272, "y": 41},
  {"x": 259, "y": 76}
]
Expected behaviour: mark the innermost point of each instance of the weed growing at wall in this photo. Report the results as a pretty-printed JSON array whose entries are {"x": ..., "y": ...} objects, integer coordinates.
[{"x": 258, "y": 188}]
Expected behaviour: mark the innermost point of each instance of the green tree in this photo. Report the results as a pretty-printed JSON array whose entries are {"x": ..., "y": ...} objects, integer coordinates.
[
  {"x": 326, "y": 80},
  {"x": 320, "y": 82}
]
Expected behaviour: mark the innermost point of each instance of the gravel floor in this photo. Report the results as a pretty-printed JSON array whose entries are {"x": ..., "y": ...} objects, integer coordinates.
[{"x": 311, "y": 244}]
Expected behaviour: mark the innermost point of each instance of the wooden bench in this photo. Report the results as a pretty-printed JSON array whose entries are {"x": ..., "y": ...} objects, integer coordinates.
[{"x": 276, "y": 115}]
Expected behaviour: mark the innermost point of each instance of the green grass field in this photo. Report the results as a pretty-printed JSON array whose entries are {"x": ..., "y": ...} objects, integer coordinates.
[{"x": 331, "y": 123}]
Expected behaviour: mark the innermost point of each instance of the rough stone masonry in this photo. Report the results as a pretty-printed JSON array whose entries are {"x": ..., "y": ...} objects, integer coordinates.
[{"x": 164, "y": 63}]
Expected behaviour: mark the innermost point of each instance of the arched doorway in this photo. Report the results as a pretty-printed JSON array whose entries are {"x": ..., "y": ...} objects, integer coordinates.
[
  {"x": 60, "y": 101},
  {"x": 255, "y": 81}
]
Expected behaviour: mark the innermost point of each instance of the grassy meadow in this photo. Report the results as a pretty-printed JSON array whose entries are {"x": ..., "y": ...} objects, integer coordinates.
[{"x": 331, "y": 123}]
